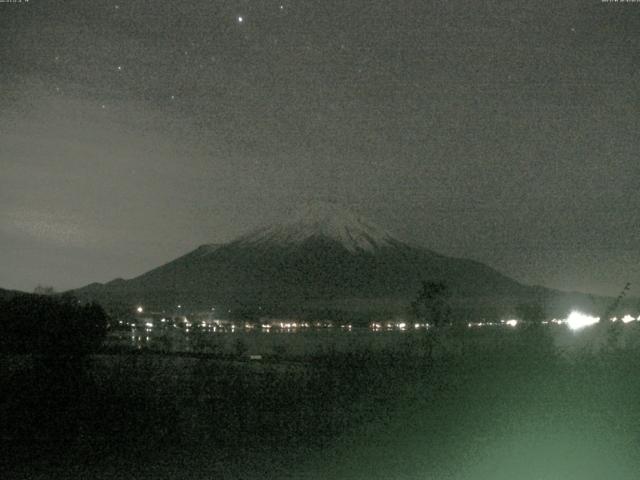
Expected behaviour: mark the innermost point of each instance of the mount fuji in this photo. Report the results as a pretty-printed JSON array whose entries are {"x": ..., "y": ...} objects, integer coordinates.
[{"x": 323, "y": 261}]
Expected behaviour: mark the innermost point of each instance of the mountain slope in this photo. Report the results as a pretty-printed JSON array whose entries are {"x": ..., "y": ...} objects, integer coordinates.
[{"x": 324, "y": 258}]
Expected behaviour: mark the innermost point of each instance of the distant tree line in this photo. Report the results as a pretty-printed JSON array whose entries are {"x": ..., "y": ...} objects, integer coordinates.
[{"x": 50, "y": 325}]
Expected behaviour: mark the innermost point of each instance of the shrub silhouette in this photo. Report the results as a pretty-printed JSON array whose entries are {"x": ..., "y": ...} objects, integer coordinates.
[{"x": 50, "y": 326}]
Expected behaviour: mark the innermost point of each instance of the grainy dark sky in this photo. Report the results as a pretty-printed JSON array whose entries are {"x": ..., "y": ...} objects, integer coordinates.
[{"x": 132, "y": 131}]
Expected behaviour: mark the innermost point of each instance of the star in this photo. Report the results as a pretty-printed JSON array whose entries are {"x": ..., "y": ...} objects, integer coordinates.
[
  {"x": 240, "y": 19},
  {"x": 117, "y": 7},
  {"x": 103, "y": 106},
  {"x": 173, "y": 97},
  {"x": 281, "y": 7},
  {"x": 119, "y": 68}
]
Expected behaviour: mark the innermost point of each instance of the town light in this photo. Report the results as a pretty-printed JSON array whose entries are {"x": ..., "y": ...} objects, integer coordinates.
[
  {"x": 139, "y": 309},
  {"x": 577, "y": 320},
  {"x": 627, "y": 319}
]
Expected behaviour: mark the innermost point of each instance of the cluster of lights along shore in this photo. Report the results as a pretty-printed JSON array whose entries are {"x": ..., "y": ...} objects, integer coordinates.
[{"x": 206, "y": 321}]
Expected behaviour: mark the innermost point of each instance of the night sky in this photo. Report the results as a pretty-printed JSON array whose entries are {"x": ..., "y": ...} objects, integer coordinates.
[{"x": 133, "y": 131}]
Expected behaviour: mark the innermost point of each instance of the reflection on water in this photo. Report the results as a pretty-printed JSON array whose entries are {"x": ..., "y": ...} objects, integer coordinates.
[{"x": 274, "y": 338}]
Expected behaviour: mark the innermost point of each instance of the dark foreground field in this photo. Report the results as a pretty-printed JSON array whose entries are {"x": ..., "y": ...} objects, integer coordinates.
[{"x": 518, "y": 410}]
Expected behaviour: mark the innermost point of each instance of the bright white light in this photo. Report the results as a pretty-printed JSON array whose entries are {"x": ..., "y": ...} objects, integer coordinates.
[
  {"x": 240, "y": 19},
  {"x": 627, "y": 319},
  {"x": 149, "y": 325},
  {"x": 139, "y": 310},
  {"x": 577, "y": 320},
  {"x": 512, "y": 323}
]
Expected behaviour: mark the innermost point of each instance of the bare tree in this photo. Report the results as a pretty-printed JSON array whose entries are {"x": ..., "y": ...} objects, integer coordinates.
[{"x": 432, "y": 304}]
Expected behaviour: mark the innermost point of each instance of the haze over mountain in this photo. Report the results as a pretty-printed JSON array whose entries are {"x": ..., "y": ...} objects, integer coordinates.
[{"x": 324, "y": 260}]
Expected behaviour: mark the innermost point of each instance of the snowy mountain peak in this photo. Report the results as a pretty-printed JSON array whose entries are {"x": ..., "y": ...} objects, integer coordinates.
[{"x": 326, "y": 220}]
